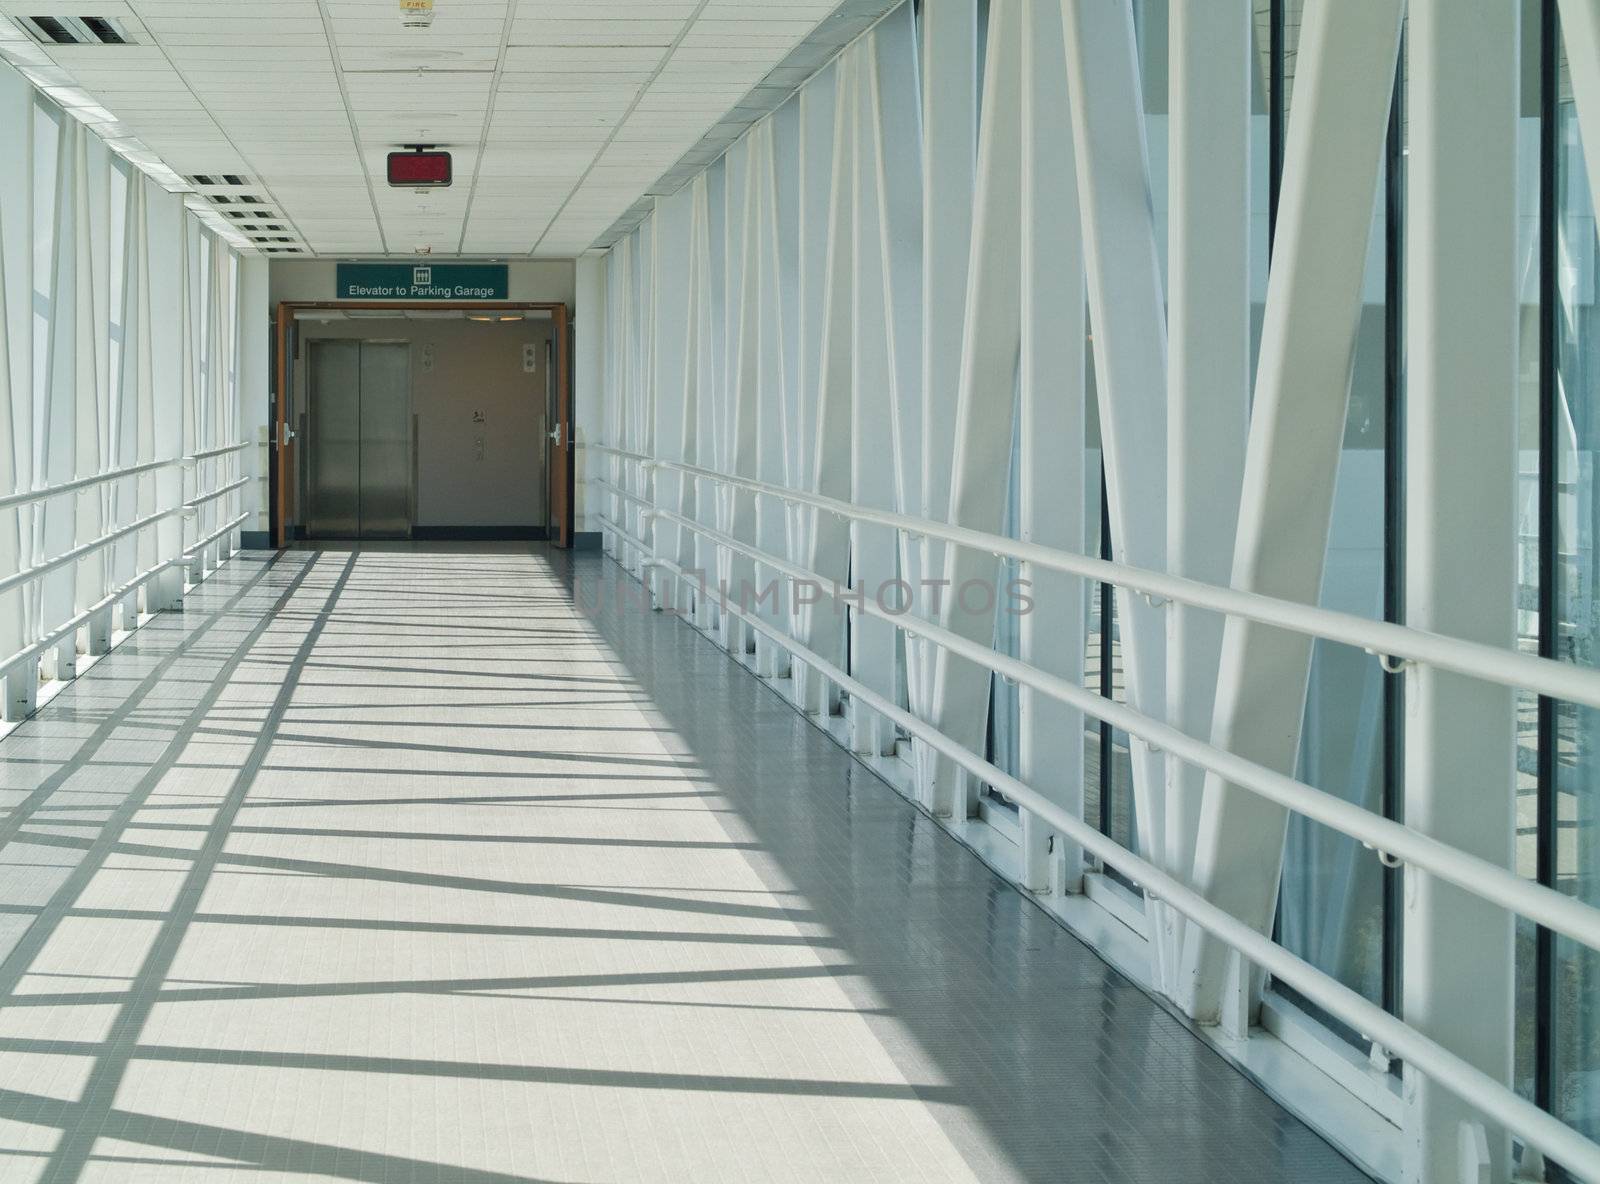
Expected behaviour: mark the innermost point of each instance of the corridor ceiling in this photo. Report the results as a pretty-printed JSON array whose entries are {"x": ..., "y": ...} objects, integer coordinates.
[{"x": 563, "y": 117}]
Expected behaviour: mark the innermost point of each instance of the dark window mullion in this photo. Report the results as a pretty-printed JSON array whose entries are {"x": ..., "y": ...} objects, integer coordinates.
[
  {"x": 1107, "y": 688},
  {"x": 1277, "y": 115},
  {"x": 1549, "y": 464},
  {"x": 1394, "y": 514}
]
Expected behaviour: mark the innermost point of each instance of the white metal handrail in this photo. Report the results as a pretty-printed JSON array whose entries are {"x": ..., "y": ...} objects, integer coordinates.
[
  {"x": 223, "y": 491},
  {"x": 48, "y": 491},
  {"x": 1537, "y": 1127},
  {"x": 82, "y": 550},
  {"x": 70, "y": 626},
  {"x": 39, "y": 570},
  {"x": 60, "y": 632},
  {"x": 220, "y": 450},
  {"x": 1485, "y": 880},
  {"x": 43, "y": 492},
  {"x": 1493, "y": 664},
  {"x": 1497, "y": 885},
  {"x": 67, "y": 628},
  {"x": 195, "y": 548}
]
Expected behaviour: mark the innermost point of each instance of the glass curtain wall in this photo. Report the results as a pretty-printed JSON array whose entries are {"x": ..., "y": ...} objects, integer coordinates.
[
  {"x": 102, "y": 340},
  {"x": 1535, "y": 361},
  {"x": 1564, "y": 1027}
]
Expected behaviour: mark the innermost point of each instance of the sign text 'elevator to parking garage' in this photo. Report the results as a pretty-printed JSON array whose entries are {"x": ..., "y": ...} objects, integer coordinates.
[{"x": 425, "y": 281}]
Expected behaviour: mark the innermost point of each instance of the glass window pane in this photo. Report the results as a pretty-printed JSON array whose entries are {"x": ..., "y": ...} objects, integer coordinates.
[
  {"x": 1575, "y": 1043},
  {"x": 1528, "y": 531}
]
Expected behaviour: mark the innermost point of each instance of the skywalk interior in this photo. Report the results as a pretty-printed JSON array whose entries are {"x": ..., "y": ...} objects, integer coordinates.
[{"x": 848, "y": 590}]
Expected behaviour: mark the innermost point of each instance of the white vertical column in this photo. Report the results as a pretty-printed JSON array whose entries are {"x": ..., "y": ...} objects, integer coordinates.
[
  {"x": 89, "y": 393},
  {"x": 744, "y": 374},
  {"x": 16, "y": 371},
  {"x": 141, "y": 379},
  {"x": 55, "y": 430},
  {"x": 1345, "y": 76},
  {"x": 163, "y": 363},
  {"x": 609, "y": 543},
  {"x": 588, "y": 384},
  {"x": 1208, "y": 378},
  {"x": 255, "y": 367},
  {"x": 21, "y": 684},
  {"x": 1461, "y": 484},
  {"x": 695, "y": 552},
  {"x": 775, "y": 383},
  {"x": 1051, "y": 430},
  {"x": 636, "y": 367}
]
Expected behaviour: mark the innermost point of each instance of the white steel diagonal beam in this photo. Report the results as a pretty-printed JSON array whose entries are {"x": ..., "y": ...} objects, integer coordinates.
[
  {"x": 1580, "y": 32},
  {"x": 896, "y": 133},
  {"x": 744, "y": 374},
  {"x": 1130, "y": 356},
  {"x": 1051, "y": 479},
  {"x": 985, "y": 406},
  {"x": 1335, "y": 142},
  {"x": 949, "y": 93},
  {"x": 774, "y": 384},
  {"x": 829, "y": 537},
  {"x": 1208, "y": 380},
  {"x": 873, "y": 564}
]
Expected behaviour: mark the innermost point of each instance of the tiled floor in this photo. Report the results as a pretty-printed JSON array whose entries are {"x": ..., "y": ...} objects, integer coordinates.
[{"x": 453, "y": 865}]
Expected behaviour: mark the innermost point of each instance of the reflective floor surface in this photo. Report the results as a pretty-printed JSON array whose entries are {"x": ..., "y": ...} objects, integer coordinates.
[{"x": 456, "y": 865}]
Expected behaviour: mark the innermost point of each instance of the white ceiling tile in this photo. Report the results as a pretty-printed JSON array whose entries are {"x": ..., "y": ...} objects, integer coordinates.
[{"x": 559, "y": 118}]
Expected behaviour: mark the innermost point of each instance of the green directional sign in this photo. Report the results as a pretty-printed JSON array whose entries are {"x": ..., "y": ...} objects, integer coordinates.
[{"x": 423, "y": 281}]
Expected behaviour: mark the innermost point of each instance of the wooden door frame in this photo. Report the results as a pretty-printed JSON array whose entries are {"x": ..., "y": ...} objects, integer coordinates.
[{"x": 560, "y": 466}]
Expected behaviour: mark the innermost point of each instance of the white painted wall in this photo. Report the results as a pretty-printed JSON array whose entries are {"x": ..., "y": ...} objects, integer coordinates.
[
  {"x": 256, "y": 337},
  {"x": 588, "y": 380}
]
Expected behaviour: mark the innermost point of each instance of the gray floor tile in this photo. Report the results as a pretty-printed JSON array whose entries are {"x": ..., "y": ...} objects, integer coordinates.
[{"x": 444, "y": 865}]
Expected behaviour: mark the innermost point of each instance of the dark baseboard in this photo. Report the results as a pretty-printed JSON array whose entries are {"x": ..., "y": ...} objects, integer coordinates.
[
  {"x": 479, "y": 534},
  {"x": 256, "y": 540},
  {"x": 586, "y": 540}
]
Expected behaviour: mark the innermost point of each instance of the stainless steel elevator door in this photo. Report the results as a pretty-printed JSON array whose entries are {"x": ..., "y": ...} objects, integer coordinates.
[
  {"x": 359, "y": 474},
  {"x": 333, "y": 453},
  {"x": 385, "y": 439}
]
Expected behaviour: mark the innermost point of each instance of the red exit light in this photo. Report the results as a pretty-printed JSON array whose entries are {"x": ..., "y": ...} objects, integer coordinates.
[{"x": 418, "y": 170}]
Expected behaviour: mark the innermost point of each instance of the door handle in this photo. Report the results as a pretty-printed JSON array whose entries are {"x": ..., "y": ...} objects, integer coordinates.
[
  {"x": 288, "y": 434},
  {"x": 556, "y": 435}
]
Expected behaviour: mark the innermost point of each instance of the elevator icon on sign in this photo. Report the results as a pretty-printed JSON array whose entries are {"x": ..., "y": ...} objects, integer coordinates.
[{"x": 422, "y": 277}]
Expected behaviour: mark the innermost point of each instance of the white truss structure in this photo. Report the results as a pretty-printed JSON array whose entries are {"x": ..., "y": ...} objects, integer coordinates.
[
  {"x": 853, "y": 351},
  {"x": 120, "y": 462}
]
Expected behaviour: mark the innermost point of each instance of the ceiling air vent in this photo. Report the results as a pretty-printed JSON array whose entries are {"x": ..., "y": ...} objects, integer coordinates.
[{"x": 76, "y": 30}]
